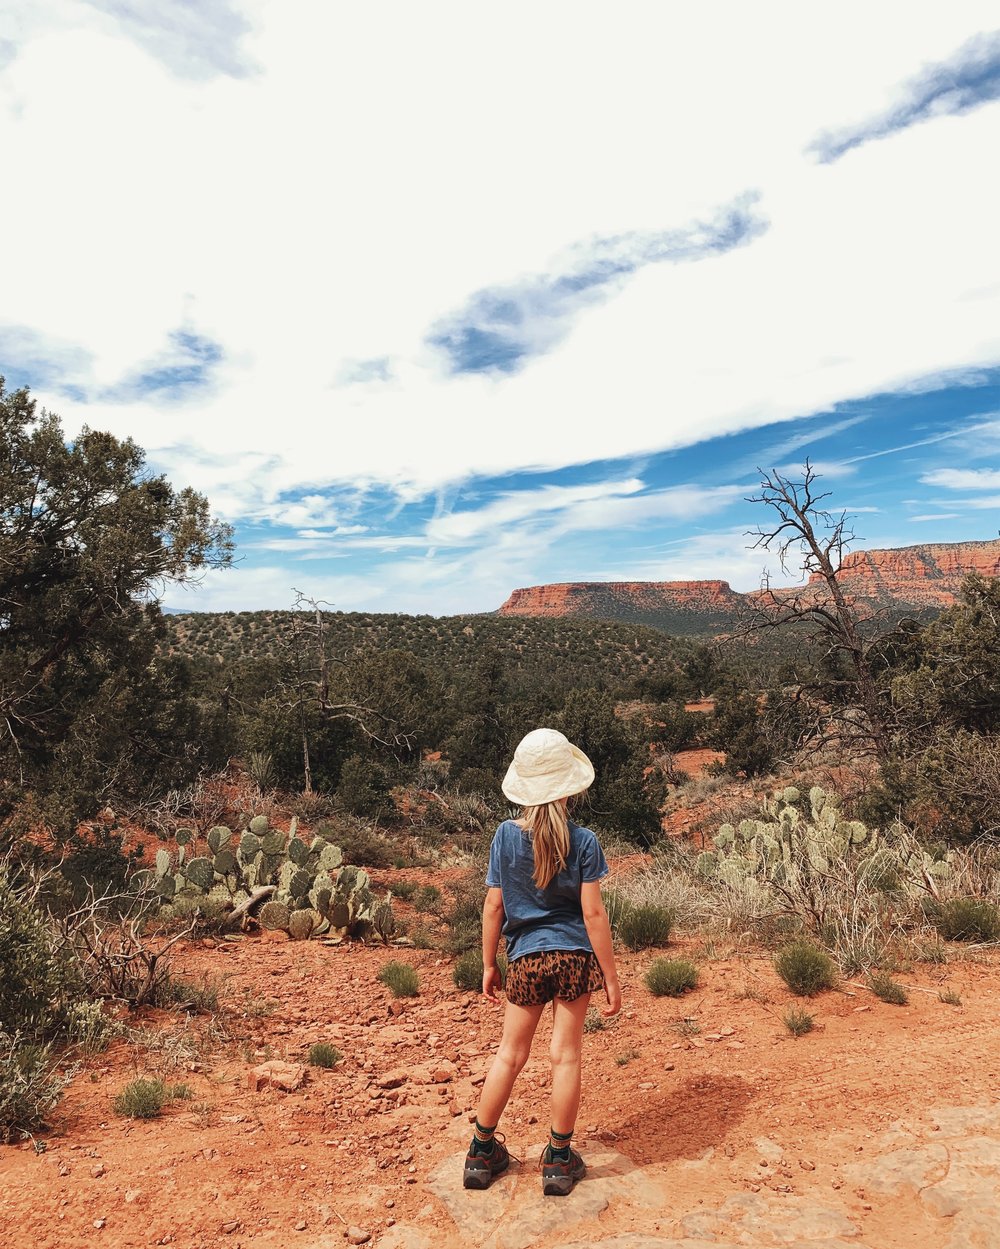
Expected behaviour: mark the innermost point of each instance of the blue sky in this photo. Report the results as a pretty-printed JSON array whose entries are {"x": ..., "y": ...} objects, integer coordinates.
[{"x": 432, "y": 306}]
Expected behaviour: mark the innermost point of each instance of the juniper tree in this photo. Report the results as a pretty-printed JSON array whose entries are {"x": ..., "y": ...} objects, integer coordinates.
[{"x": 89, "y": 538}]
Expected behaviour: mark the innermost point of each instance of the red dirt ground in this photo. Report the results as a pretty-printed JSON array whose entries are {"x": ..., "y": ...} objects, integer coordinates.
[{"x": 670, "y": 1079}]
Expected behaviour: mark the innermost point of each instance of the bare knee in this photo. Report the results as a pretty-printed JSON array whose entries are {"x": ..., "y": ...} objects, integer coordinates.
[
  {"x": 513, "y": 1056},
  {"x": 564, "y": 1053}
]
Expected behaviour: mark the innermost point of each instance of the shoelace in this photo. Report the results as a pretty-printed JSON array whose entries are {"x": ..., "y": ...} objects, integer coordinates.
[{"x": 499, "y": 1136}]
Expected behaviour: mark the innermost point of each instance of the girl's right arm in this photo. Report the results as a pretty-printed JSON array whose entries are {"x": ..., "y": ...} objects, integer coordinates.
[{"x": 595, "y": 918}]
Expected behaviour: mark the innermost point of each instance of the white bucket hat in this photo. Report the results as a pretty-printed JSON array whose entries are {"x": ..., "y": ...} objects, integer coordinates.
[{"x": 546, "y": 767}]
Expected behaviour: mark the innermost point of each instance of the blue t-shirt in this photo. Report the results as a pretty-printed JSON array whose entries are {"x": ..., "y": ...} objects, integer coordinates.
[{"x": 549, "y": 918}]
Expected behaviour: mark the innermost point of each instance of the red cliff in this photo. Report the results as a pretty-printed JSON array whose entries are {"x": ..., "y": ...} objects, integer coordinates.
[
  {"x": 905, "y": 577},
  {"x": 927, "y": 576}
]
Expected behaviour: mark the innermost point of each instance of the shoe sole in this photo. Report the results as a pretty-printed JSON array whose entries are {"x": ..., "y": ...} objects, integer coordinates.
[
  {"x": 560, "y": 1185},
  {"x": 480, "y": 1177}
]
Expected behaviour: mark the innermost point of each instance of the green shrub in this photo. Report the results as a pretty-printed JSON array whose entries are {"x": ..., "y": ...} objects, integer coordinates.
[
  {"x": 88, "y": 1027},
  {"x": 644, "y": 926},
  {"x": 670, "y": 977},
  {"x": 324, "y": 1055},
  {"x": 29, "y": 1086},
  {"x": 363, "y": 787},
  {"x": 950, "y": 997},
  {"x": 468, "y": 971},
  {"x": 142, "y": 1099},
  {"x": 805, "y": 968},
  {"x": 197, "y": 998},
  {"x": 617, "y": 907},
  {"x": 401, "y": 978},
  {"x": 595, "y": 1021},
  {"x": 36, "y": 984},
  {"x": 968, "y": 919},
  {"x": 180, "y": 1093},
  {"x": 404, "y": 889},
  {"x": 427, "y": 898},
  {"x": 799, "y": 1021},
  {"x": 887, "y": 989}
]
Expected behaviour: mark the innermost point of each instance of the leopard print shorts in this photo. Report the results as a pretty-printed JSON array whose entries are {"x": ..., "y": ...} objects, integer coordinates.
[{"x": 535, "y": 979}]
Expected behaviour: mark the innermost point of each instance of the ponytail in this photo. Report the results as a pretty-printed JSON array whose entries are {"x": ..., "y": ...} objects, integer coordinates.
[{"x": 548, "y": 828}]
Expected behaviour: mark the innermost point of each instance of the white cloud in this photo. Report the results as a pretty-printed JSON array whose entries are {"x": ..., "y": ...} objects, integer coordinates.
[
  {"x": 963, "y": 478},
  {"x": 388, "y": 161},
  {"x": 931, "y": 516}
]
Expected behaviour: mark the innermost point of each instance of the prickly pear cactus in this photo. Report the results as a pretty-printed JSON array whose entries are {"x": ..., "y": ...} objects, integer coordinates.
[
  {"x": 312, "y": 892},
  {"x": 804, "y": 838}
]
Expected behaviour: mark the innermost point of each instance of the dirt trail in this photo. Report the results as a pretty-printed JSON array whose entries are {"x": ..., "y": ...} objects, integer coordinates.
[{"x": 704, "y": 1122}]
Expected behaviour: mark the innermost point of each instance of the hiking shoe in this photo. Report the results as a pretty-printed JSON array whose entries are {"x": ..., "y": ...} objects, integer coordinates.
[
  {"x": 481, "y": 1168},
  {"x": 558, "y": 1177}
]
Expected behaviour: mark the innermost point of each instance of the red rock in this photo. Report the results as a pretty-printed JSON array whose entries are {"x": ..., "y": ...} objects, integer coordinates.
[{"x": 277, "y": 1075}]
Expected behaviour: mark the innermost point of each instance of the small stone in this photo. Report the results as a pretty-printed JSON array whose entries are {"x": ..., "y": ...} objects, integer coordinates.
[
  {"x": 300, "y": 1226},
  {"x": 390, "y": 1204},
  {"x": 232, "y": 1226},
  {"x": 392, "y": 1079},
  {"x": 668, "y": 1066},
  {"x": 97, "y": 1171},
  {"x": 358, "y": 1236},
  {"x": 277, "y": 1075},
  {"x": 806, "y": 1165},
  {"x": 99, "y": 1223}
]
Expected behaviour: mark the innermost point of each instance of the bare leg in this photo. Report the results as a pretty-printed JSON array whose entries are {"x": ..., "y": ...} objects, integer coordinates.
[
  {"x": 567, "y": 1043},
  {"x": 519, "y": 1024}
]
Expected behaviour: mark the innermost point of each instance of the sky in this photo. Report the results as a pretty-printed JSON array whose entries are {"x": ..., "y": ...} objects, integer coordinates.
[{"x": 437, "y": 300}]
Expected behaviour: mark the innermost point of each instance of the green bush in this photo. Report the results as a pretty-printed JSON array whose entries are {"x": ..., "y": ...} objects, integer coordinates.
[
  {"x": 799, "y": 1021},
  {"x": 363, "y": 787},
  {"x": 29, "y": 1086},
  {"x": 401, "y": 978},
  {"x": 427, "y": 898},
  {"x": 805, "y": 968},
  {"x": 142, "y": 1099},
  {"x": 968, "y": 919},
  {"x": 887, "y": 989},
  {"x": 468, "y": 971},
  {"x": 617, "y": 907},
  {"x": 644, "y": 926},
  {"x": 670, "y": 977},
  {"x": 404, "y": 889},
  {"x": 36, "y": 984},
  {"x": 324, "y": 1055},
  {"x": 195, "y": 998}
]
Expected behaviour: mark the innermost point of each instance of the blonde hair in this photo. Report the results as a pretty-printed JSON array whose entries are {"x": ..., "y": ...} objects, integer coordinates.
[{"x": 548, "y": 827}]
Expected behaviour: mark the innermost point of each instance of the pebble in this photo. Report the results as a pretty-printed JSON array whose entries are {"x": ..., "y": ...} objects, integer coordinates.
[
  {"x": 99, "y": 1223},
  {"x": 358, "y": 1236},
  {"x": 300, "y": 1226}
]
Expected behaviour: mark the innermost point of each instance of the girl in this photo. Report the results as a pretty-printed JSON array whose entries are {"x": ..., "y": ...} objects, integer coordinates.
[{"x": 543, "y": 890}]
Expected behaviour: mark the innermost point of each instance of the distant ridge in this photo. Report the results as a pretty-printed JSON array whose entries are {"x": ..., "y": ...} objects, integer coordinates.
[{"x": 926, "y": 576}]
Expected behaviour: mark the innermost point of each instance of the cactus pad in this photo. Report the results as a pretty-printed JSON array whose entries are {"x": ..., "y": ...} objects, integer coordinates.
[
  {"x": 259, "y": 825},
  {"x": 201, "y": 873},
  {"x": 274, "y": 915},
  {"x": 218, "y": 837}
]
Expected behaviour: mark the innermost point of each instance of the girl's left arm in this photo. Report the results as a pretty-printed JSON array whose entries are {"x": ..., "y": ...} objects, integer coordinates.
[{"x": 493, "y": 917}]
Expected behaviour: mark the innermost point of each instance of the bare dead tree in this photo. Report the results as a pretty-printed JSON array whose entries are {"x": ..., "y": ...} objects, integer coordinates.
[
  {"x": 805, "y": 534},
  {"x": 310, "y": 684}
]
